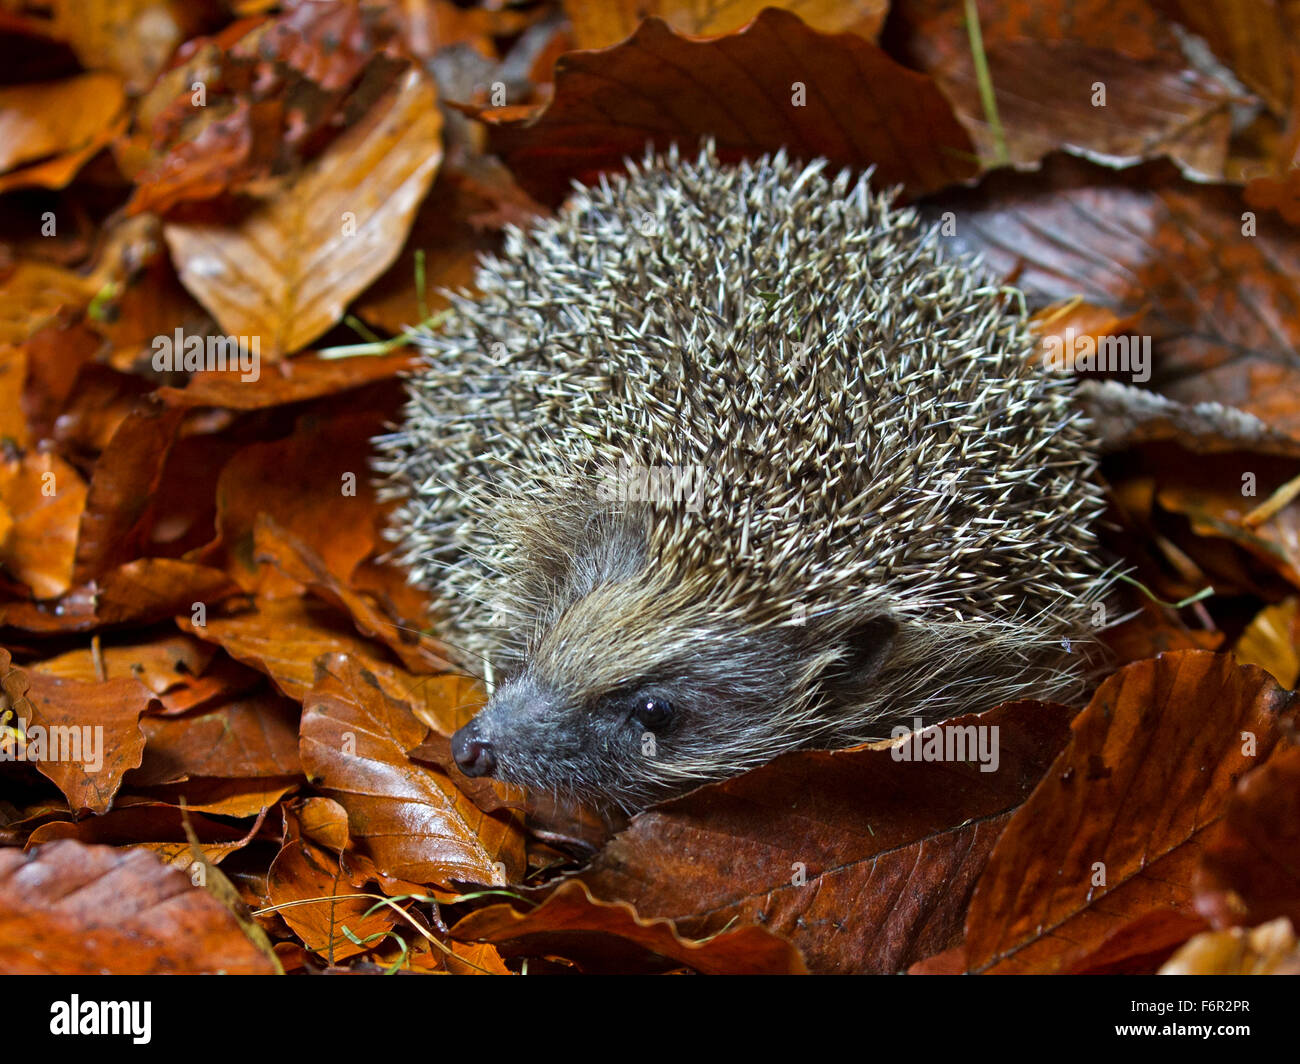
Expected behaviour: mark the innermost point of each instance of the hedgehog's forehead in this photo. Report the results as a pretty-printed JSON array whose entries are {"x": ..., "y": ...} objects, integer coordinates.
[{"x": 620, "y": 635}]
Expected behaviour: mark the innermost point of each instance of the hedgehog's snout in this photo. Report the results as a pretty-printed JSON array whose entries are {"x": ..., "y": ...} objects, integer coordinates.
[{"x": 473, "y": 753}]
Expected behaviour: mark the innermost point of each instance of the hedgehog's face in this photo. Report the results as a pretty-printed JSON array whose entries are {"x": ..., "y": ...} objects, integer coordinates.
[
  {"x": 602, "y": 746},
  {"x": 634, "y": 712}
]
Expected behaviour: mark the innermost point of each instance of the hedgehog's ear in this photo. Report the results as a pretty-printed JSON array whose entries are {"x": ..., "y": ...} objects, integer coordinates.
[{"x": 868, "y": 647}]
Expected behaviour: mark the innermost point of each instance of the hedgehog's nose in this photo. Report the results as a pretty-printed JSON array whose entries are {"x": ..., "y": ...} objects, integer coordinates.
[{"x": 474, "y": 756}]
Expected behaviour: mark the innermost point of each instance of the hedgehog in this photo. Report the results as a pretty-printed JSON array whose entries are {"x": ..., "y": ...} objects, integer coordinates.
[{"x": 729, "y": 460}]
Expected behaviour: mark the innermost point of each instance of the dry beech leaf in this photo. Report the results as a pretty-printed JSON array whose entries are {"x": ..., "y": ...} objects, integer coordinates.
[
  {"x": 1048, "y": 66},
  {"x": 283, "y": 638},
  {"x": 600, "y": 23},
  {"x": 13, "y": 377},
  {"x": 286, "y": 272},
  {"x": 1148, "y": 771},
  {"x": 124, "y": 489},
  {"x": 278, "y": 89},
  {"x": 42, "y": 499},
  {"x": 291, "y": 381},
  {"x": 315, "y": 483},
  {"x": 56, "y": 117},
  {"x": 100, "y": 735},
  {"x": 468, "y": 958},
  {"x": 59, "y": 171},
  {"x": 1272, "y": 641},
  {"x": 73, "y": 909},
  {"x": 1280, "y": 193},
  {"x": 251, "y": 737},
  {"x": 864, "y": 861},
  {"x": 134, "y": 820},
  {"x": 222, "y": 797},
  {"x": 458, "y": 221},
  {"x": 160, "y": 665},
  {"x": 1270, "y": 949},
  {"x": 1210, "y": 497},
  {"x": 1138, "y": 947},
  {"x": 32, "y": 293},
  {"x": 324, "y": 821},
  {"x": 411, "y": 819},
  {"x": 149, "y": 589},
  {"x": 609, "y": 936},
  {"x": 1129, "y": 241},
  {"x": 418, "y": 652},
  {"x": 862, "y": 107}
]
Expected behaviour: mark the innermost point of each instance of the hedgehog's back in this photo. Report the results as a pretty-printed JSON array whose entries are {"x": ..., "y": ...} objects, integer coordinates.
[{"x": 863, "y": 413}]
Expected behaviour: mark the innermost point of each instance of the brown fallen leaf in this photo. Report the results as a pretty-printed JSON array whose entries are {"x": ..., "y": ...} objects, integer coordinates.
[
  {"x": 57, "y": 352},
  {"x": 603, "y": 936},
  {"x": 160, "y": 665},
  {"x": 222, "y": 797},
  {"x": 291, "y": 381},
  {"x": 32, "y": 293},
  {"x": 775, "y": 84},
  {"x": 252, "y": 737},
  {"x": 121, "y": 501},
  {"x": 132, "y": 37},
  {"x": 304, "y": 871},
  {"x": 1250, "y": 870},
  {"x": 135, "y": 821},
  {"x": 1272, "y": 641},
  {"x": 142, "y": 591},
  {"x": 42, "y": 499},
  {"x": 1128, "y": 241},
  {"x": 315, "y": 483},
  {"x": 864, "y": 861},
  {"x": 283, "y": 638},
  {"x": 1136, "y": 948},
  {"x": 460, "y": 219},
  {"x": 13, "y": 375},
  {"x": 419, "y": 652},
  {"x": 285, "y": 273},
  {"x": 56, "y": 118},
  {"x": 149, "y": 589},
  {"x": 600, "y": 23},
  {"x": 1260, "y": 43},
  {"x": 90, "y": 735},
  {"x": 73, "y": 909},
  {"x": 1107, "y": 81},
  {"x": 410, "y": 819},
  {"x": 1118, "y": 825}
]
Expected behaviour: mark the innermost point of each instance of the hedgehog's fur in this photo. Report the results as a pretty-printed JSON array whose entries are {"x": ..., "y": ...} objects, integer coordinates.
[{"x": 897, "y": 525}]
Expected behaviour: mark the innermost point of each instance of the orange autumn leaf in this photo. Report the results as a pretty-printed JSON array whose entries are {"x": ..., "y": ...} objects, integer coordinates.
[
  {"x": 42, "y": 499},
  {"x": 285, "y": 273}
]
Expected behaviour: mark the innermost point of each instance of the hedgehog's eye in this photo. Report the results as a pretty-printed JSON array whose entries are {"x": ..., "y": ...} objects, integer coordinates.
[{"x": 651, "y": 711}]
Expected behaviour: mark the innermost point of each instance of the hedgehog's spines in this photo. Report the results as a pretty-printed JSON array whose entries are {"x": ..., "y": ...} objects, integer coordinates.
[{"x": 862, "y": 404}]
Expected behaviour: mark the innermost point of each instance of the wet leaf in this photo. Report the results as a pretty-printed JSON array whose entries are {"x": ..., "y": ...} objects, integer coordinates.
[
  {"x": 612, "y": 937},
  {"x": 412, "y": 820}
]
